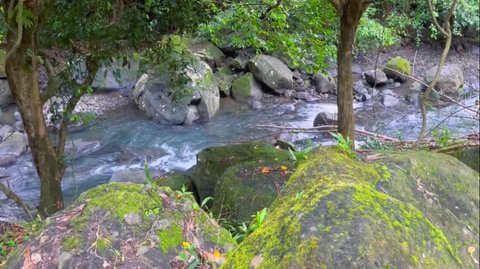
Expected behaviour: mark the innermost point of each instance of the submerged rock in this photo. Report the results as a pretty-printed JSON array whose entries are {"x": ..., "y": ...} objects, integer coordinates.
[
  {"x": 126, "y": 226},
  {"x": 413, "y": 210}
]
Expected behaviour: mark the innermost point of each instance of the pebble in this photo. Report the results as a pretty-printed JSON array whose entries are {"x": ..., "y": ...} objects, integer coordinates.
[{"x": 132, "y": 218}]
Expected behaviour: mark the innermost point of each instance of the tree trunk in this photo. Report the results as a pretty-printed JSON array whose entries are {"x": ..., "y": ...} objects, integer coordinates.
[
  {"x": 22, "y": 73},
  {"x": 348, "y": 27}
]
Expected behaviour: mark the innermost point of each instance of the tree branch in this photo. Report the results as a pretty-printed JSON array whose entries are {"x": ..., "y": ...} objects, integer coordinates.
[{"x": 13, "y": 196}]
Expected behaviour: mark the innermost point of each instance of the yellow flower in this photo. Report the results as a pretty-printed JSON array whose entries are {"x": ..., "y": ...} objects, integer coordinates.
[
  {"x": 284, "y": 168},
  {"x": 186, "y": 244},
  {"x": 217, "y": 254}
]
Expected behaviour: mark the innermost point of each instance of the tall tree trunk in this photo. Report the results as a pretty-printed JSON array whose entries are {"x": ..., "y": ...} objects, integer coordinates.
[
  {"x": 22, "y": 73},
  {"x": 349, "y": 18}
]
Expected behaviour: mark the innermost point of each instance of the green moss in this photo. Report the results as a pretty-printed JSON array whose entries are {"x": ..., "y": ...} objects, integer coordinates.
[
  {"x": 170, "y": 238},
  {"x": 401, "y": 65},
  {"x": 71, "y": 242},
  {"x": 243, "y": 85},
  {"x": 121, "y": 199},
  {"x": 103, "y": 244},
  {"x": 2, "y": 61},
  {"x": 338, "y": 196}
]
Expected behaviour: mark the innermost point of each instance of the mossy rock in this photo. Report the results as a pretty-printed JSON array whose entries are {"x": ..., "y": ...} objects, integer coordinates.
[
  {"x": 224, "y": 77},
  {"x": 176, "y": 182},
  {"x": 397, "y": 68},
  {"x": 124, "y": 226},
  {"x": 250, "y": 186},
  {"x": 208, "y": 52},
  {"x": 246, "y": 88},
  {"x": 214, "y": 161},
  {"x": 336, "y": 212},
  {"x": 470, "y": 157}
]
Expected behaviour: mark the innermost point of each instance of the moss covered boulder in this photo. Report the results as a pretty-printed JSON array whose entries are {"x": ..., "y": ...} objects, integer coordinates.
[
  {"x": 397, "y": 68},
  {"x": 469, "y": 156},
  {"x": 246, "y": 89},
  {"x": 412, "y": 210},
  {"x": 242, "y": 178},
  {"x": 121, "y": 225},
  {"x": 248, "y": 187}
]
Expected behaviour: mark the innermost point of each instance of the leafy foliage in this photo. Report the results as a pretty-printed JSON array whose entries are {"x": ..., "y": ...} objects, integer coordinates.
[
  {"x": 344, "y": 145},
  {"x": 371, "y": 34},
  {"x": 412, "y": 18},
  {"x": 300, "y": 31}
]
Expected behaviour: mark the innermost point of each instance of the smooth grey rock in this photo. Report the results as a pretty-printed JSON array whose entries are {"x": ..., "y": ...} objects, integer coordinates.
[
  {"x": 324, "y": 83},
  {"x": 240, "y": 62},
  {"x": 63, "y": 259},
  {"x": 397, "y": 84},
  {"x": 132, "y": 218},
  {"x": 142, "y": 250},
  {"x": 15, "y": 144},
  {"x": 153, "y": 94},
  {"x": 117, "y": 75},
  {"x": 300, "y": 95},
  {"x": 288, "y": 93},
  {"x": 272, "y": 72},
  {"x": 5, "y": 131},
  {"x": 208, "y": 53},
  {"x": 450, "y": 81},
  {"x": 78, "y": 148},
  {"x": 325, "y": 118},
  {"x": 375, "y": 78},
  {"x": 256, "y": 105},
  {"x": 389, "y": 100}
]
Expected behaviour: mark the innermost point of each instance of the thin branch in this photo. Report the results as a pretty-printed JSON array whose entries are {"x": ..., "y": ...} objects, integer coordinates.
[
  {"x": 19, "y": 21},
  {"x": 13, "y": 196},
  {"x": 432, "y": 12}
]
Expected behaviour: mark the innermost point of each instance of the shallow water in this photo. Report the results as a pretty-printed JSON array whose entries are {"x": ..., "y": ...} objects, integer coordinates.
[{"x": 126, "y": 138}]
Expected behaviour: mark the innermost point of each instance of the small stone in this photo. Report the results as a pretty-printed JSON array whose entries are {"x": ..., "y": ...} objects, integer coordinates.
[
  {"x": 256, "y": 105},
  {"x": 256, "y": 261},
  {"x": 63, "y": 258},
  {"x": 36, "y": 258},
  {"x": 388, "y": 100},
  {"x": 44, "y": 239},
  {"x": 132, "y": 218},
  {"x": 397, "y": 84},
  {"x": 142, "y": 250}
]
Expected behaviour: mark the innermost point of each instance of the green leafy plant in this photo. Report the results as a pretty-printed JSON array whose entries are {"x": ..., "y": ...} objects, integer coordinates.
[
  {"x": 443, "y": 137},
  {"x": 301, "y": 155},
  {"x": 148, "y": 177},
  {"x": 243, "y": 230},
  {"x": 344, "y": 145}
]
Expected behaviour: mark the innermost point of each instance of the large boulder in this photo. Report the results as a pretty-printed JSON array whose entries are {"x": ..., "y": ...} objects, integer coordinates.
[
  {"x": 450, "y": 81},
  {"x": 324, "y": 83},
  {"x": 397, "y": 68},
  {"x": 412, "y": 210},
  {"x": 250, "y": 185},
  {"x": 213, "y": 162},
  {"x": 118, "y": 75},
  {"x": 246, "y": 89},
  {"x": 154, "y": 94},
  {"x": 126, "y": 226},
  {"x": 207, "y": 52},
  {"x": 138, "y": 176},
  {"x": 272, "y": 72}
]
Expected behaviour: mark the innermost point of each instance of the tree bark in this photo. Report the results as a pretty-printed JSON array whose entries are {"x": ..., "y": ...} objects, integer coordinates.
[
  {"x": 350, "y": 13},
  {"x": 22, "y": 73}
]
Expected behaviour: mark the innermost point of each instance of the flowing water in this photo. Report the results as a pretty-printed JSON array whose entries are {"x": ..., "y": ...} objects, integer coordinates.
[{"x": 125, "y": 138}]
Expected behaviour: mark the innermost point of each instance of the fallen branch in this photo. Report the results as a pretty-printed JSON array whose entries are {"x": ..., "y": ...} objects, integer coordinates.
[{"x": 327, "y": 128}]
